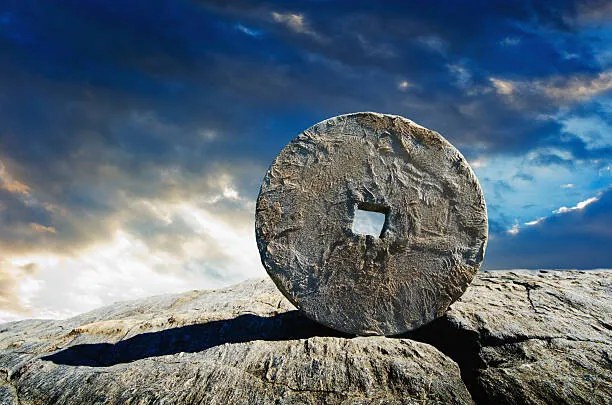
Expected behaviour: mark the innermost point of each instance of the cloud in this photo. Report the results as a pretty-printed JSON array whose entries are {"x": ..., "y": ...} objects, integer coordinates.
[
  {"x": 579, "y": 206},
  {"x": 157, "y": 246},
  {"x": 576, "y": 88},
  {"x": 560, "y": 89},
  {"x": 249, "y": 31},
  {"x": 591, "y": 127},
  {"x": 403, "y": 85},
  {"x": 590, "y": 12},
  {"x": 524, "y": 187},
  {"x": 478, "y": 163},
  {"x": 11, "y": 185},
  {"x": 510, "y": 41},
  {"x": 434, "y": 43},
  {"x": 535, "y": 221},
  {"x": 41, "y": 228},
  {"x": 503, "y": 87},
  {"x": 295, "y": 22},
  {"x": 146, "y": 131},
  {"x": 15, "y": 281},
  {"x": 514, "y": 230},
  {"x": 578, "y": 237}
]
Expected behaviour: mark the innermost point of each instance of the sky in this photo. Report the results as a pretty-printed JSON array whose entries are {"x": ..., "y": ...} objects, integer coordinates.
[{"x": 134, "y": 135}]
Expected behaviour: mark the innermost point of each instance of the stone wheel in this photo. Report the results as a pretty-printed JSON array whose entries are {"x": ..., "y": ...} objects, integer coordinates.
[{"x": 431, "y": 245}]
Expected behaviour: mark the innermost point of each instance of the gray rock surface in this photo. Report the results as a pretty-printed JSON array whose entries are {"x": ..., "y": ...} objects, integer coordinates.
[
  {"x": 241, "y": 345},
  {"x": 518, "y": 337},
  {"x": 431, "y": 245},
  {"x": 532, "y": 337}
]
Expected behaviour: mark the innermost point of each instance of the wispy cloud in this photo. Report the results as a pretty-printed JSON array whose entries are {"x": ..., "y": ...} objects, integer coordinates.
[
  {"x": 510, "y": 41},
  {"x": 295, "y": 22},
  {"x": 577, "y": 87},
  {"x": 560, "y": 89},
  {"x": 41, "y": 228},
  {"x": 248, "y": 31},
  {"x": 433, "y": 42},
  {"x": 579, "y": 206},
  {"x": 8, "y": 183},
  {"x": 535, "y": 221}
]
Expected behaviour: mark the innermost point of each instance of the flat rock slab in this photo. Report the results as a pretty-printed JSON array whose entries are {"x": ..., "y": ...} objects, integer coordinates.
[
  {"x": 518, "y": 337},
  {"x": 431, "y": 245},
  {"x": 241, "y": 345}
]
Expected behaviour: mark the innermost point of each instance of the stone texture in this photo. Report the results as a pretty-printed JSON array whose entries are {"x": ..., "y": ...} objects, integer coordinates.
[
  {"x": 241, "y": 345},
  {"x": 432, "y": 243},
  {"x": 518, "y": 337},
  {"x": 532, "y": 337}
]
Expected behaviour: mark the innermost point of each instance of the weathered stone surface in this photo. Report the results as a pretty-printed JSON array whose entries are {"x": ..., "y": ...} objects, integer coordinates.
[
  {"x": 432, "y": 243},
  {"x": 531, "y": 337},
  {"x": 518, "y": 337},
  {"x": 241, "y": 345}
]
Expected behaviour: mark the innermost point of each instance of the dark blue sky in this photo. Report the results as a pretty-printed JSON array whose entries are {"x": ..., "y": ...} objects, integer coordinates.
[{"x": 137, "y": 133}]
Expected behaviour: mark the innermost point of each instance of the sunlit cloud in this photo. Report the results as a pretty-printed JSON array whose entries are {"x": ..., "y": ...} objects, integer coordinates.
[
  {"x": 560, "y": 89},
  {"x": 514, "y": 230},
  {"x": 8, "y": 183},
  {"x": 194, "y": 233},
  {"x": 579, "y": 206},
  {"x": 18, "y": 281},
  {"x": 577, "y": 238},
  {"x": 577, "y": 87},
  {"x": 41, "y": 228},
  {"x": 564, "y": 210},
  {"x": 535, "y": 221},
  {"x": 403, "y": 85},
  {"x": 295, "y": 22},
  {"x": 478, "y": 163},
  {"x": 216, "y": 252},
  {"x": 504, "y": 87}
]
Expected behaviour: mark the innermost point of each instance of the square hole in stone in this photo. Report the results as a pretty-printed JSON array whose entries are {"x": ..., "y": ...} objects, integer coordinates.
[{"x": 369, "y": 219}]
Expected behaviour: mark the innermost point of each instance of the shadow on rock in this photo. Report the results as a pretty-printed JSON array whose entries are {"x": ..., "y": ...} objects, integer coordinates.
[
  {"x": 193, "y": 338},
  {"x": 461, "y": 345}
]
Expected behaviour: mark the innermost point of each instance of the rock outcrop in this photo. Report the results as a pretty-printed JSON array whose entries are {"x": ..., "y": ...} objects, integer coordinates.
[
  {"x": 531, "y": 337},
  {"x": 513, "y": 337}
]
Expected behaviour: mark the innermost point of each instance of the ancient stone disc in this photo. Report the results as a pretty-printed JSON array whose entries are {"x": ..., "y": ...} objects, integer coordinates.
[{"x": 431, "y": 245}]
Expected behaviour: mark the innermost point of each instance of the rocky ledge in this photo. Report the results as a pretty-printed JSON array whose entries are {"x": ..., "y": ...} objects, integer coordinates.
[{"x": 514, "y": 337}]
